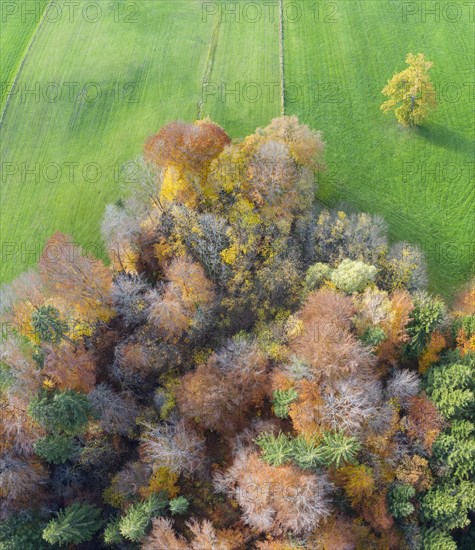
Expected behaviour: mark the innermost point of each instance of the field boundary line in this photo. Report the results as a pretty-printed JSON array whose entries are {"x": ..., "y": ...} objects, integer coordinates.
[
  {"x": 281, "y": 55},
  {"x": 213, "y": 46},
  {"x": 22, "y": 62}
]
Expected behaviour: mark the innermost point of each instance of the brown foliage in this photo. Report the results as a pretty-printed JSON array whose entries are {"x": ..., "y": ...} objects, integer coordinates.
[
  {"x": 333, "y": 307},
  {"x": 306, "y": 146},
  {"x": 375, "y": 512},
  {"x": 27, "y": 376},
  {"x": 19, "y": 301},
  {"x": 186, "y": 146},
  {"x": 340, "y": 533},
  {"x": 465, "y": 343},
  {"x": 278, "y": 185},
  {"x": 465, "y": 303},
  {"x": 424, "y": 422},
  {"x": 189, "y": 277},
  {"x": 104, "y": 342},
  {"x": 20, "y": 480},
  {"x": 305, "y": 411},
  {"x": 167, "y": 312},
  {"x": 78, "y": 280},
  {"x": 415, "y": 471},
  {"x": 18, "y": 431},
  {"x": 276, "y": 544},
  {"x": 187, "y": 291},
  {"x": 325, "y": 342},
  {"x": 381, "y": 445},
  {"x": 205, "y": 537},
  {"x": 401, "y": 306},
  {"x": 281, "y": 380},
  {"x": 163, "y": 536},
  {"x": 135, "y": 357},
  {"x": 274, "y": 499},
  {"x": 432, "y": 352},
  {"x": 378, "y": 438},
  {"x": 70, "y": 368},
  {"x": 221, "y": 391}
]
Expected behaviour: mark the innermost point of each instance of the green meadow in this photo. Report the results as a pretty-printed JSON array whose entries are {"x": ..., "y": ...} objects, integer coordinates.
[
  {"x": 421, "y": 180},
  {"x": 91, "y": 87},
  {"x": 18, "y": 31}
]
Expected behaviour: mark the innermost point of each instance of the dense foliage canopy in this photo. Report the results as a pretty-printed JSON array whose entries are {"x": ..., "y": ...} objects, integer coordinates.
[{"x": 250, "y": 371}]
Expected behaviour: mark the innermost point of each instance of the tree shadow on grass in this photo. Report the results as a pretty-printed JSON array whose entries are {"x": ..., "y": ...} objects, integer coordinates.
[{"x": 444, "y": 137}]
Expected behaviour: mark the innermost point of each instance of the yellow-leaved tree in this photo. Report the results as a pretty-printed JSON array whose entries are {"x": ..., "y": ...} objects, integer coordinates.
[{"x": 410, "y": 92}]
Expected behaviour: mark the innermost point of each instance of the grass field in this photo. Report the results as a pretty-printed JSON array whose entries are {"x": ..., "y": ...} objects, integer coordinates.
[
  {"x": 16, "y": 37},
  {"x": 242, "y": 92},
  {"x": 141, "y": 64},
  {"x": 135, "y": 80},
  {"x": 422, "y": 181}
]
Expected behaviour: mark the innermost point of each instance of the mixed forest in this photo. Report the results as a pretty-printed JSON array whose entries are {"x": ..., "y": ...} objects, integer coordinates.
[{"x": 249, "y": 371}]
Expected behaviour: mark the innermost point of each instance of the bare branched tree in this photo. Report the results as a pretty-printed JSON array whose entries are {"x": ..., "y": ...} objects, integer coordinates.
[{"x": 175, "y": 446}]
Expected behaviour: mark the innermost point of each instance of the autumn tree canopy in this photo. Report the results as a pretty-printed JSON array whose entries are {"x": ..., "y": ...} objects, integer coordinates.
[
  {"x": 248, "y": 371},
  {"x": 410, "y": 92}
]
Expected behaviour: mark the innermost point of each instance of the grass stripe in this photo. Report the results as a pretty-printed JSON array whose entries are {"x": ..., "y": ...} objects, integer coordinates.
[
  {"x": 209, "y": 64},
  {"x": 23, "y": 57},
  {"x": 282, "y": 60}
]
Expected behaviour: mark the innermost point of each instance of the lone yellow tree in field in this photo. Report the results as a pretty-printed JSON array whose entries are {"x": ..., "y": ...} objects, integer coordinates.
[{"x": 411, "y": 92}]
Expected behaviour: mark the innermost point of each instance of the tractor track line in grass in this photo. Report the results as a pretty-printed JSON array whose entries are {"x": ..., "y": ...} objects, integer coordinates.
[
  {"x": 22, "y": 62},
  {"x": 209, "y": 64},
  {"x": 281, "y": 55}
]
